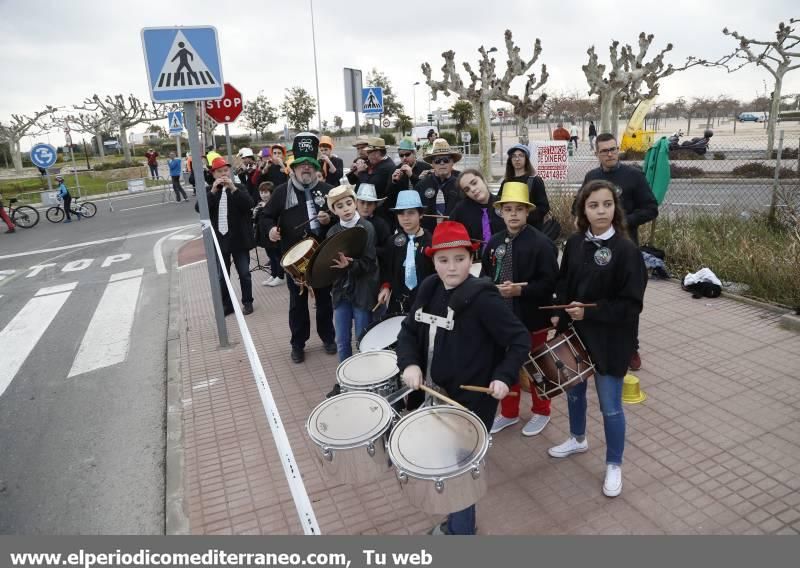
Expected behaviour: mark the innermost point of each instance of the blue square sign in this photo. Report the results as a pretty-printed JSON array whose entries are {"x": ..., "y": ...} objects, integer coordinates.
[
  {"x": 372, "y": 100},
  {"x": 183, "y": 64}
]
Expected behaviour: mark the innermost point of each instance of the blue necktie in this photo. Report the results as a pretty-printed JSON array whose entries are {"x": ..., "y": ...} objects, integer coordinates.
[{"x": 410, "y": 264}]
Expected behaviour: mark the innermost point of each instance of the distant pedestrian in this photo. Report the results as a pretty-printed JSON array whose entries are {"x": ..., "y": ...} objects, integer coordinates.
[
  {"x": 152, "y": 162},
  {"x": 592, "y": 135},
  {"x": 573, "y": 135},
  {"x": 9, "y": 223},
  {"x": 561, "y": 133},
  {"x": 175, "y": 173}
]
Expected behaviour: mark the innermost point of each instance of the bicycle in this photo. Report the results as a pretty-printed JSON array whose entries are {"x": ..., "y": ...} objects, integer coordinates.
[
  {"x": 23, "y": 216},
  {"x": 86, "y": 209}
]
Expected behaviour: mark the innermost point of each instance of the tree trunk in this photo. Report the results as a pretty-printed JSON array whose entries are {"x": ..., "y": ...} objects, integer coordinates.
[
  {"x": 774, "y": 111},
  {"x": 688, "y": 125},
  {"x": 101, "y": 151},
  {"x": 606, "y": 110},
  {"x": 616, "y": 108},
  {"x": 126, "y": 150},
  {"x": 16, "y": 155},
  {"x": 485, "y": 137}
]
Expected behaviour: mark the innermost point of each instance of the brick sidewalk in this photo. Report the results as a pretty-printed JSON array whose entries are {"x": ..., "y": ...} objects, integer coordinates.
[{"x": 715, "y": 449}]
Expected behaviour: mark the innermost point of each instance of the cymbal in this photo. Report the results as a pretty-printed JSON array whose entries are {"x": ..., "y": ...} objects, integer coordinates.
[{"x": 351, "y": 242}]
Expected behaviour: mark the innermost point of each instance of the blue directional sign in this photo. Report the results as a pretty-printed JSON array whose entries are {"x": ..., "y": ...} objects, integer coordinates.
[
  {"x": 175, "y": 120},
  {"x": 43, "y": 155},
  {"x": 372, "y": 100},
  {"x": 183, "y": 64}
]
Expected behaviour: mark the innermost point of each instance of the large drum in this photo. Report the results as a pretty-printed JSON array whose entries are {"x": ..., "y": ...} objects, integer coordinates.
[
  {"x": 558, "y": 365},
  {"x": 371, "y": 371},
  {"x": 381, "y": 335},
  {"x": 350, "y": 430},
  {"x": 439, "y": 455},
  {"x": 296, "y": 260}
]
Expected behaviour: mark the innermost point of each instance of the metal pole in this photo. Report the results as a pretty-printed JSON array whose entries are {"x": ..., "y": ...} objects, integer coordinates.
[
  {"x": 228, "y": 144},
  {"x": 773, "y": 205},
  {"x": 190, "y": 112},
  {"x": 178, "y": 144},
  {"x": 74, "y": 168},
  {"x": 316, "y": 75},
  {"x": 358, "y": 127}
]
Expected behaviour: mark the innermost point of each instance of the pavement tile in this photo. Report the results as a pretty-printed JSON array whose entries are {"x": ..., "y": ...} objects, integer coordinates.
[{"x": 714, "y": 450}]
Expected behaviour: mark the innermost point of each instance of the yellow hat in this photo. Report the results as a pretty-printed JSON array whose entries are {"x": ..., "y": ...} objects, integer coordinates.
[
  {"x": 339, "y": 193},
  {"x": 514, "y": 192}
]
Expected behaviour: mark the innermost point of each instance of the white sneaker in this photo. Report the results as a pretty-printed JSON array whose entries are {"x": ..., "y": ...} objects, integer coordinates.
[
  {"x": 535, "y": 425},
  {"x": 501, "y": 422},
  {"x": 269, "y": 281},
  {"x": 571, "y": 446},
  {"x": 275, "y": 281},
  {"x": 613, "y": 483}
]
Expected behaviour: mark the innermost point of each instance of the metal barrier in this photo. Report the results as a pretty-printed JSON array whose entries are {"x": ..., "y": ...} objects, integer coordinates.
[{"x": 131, "y": 186}]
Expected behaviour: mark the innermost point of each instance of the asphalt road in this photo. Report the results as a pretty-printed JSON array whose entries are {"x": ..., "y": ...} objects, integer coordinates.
[{"x": 83, "y": 324}]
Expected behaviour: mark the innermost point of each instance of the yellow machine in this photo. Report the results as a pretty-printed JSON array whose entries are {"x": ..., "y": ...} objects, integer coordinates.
[{"x": 635, "y": 138}]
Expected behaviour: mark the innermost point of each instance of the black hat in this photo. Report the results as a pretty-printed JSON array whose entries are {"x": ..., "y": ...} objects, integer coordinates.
[{"x": 305, "y": 148}]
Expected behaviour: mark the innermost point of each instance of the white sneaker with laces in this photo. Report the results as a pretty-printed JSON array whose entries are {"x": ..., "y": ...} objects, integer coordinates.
[
  {"x": 275, "y": 281},
  {"x": 501, "y": 422},
  {"x": 613, "y": 483},
  {"x": 535, "y": 425},
  {"x": 268, "y": 281},
  {"x": 571, "y": 446}
]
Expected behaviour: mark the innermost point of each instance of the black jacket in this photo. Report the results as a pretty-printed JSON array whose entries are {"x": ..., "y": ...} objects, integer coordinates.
[
  {"x": 380, "y": 176},
  {"x": 487, "y": 343},
  {"x": 276, "y": 214},
  {"x": 333, "y": 178},
  {"x": 534, "y": 259},
  {"x": 592, "y": 130},
  {"x": 393, "y": 272},
  {"x": 275, "y": 174},
  {"x": 382, "y": 234},
  {"x": 427, "y": 189},
  {"x": 536, "y": 195},
  {"x": 404, "y": 183},
  {"x": 240, "y": 224},
  {"x": 358, "y": 283},
  {"x": 470, "y": 213},
  {"x": 609, "y": 330},
  {"x": 637, "y": 198}
]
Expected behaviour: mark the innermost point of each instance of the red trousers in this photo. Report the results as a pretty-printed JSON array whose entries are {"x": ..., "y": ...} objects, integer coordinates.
[
  {"x": 509, "y": 406},
  {"x": 5, "y": 217}
]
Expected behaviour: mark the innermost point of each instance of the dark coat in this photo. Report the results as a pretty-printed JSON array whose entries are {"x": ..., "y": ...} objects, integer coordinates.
[
  {"x": 428, "y": 188},
  {"x": 470, "y": 213},
  {"x": 380, "y": 176},
  {"x": 609, "y": 330},
  {"x": 404, "y": 183},
  {"x": 275, "y": 174},
  {"x": 358, "y": 283},
  {"x": 382, "y": 234},
  {"x": 333, "y": 178},
  {"x": 276, "y": 214},
  {"x": 393, "y": 272},
  {"x": 536, "y": 195},
  {"x": 240, "y": 225},
  {"x": 487, "y": 343},
  {"x": 534, "y": 259}
]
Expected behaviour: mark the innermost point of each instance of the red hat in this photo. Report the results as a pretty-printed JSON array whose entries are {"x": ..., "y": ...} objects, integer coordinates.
[
  {"x": 450, "y": 235},
  {"x": 218, "y": 163}
]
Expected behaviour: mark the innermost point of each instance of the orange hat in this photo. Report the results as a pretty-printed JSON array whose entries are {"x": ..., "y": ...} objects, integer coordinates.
[
  {"x": 219, "y": 162},
  {"x": 326, "y": 141}
]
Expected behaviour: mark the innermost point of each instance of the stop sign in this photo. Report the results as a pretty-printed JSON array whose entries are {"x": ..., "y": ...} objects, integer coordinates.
[{"x": 228, "y": 108}]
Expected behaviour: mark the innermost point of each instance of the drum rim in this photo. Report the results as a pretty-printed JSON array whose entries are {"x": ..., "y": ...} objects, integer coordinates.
[
  {"x": 285, "y": 259},
  {"x": 363, "y": 355},
  {"x": 376, "y": 433},
  {"x": 375, "y": 325},
  {"x": 478, "y": 458}
]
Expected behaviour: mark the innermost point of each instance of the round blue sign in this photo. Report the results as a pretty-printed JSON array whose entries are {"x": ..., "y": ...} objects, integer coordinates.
[{"x": 43, "y": 155}]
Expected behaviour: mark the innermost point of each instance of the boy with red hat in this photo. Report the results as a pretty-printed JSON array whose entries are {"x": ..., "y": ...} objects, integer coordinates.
[{"x": 477, "y": 340}]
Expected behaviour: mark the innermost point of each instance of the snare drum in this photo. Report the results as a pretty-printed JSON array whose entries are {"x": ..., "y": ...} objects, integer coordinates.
[
  {"x": 371, "y": 371},
  {"x": 297, "y": 258},
  {"x": 559, "y": 365},
  {"x": 350, "y": 431},
  {"x": 439, "y": 455},
  {"x": 381, "y": 335}
]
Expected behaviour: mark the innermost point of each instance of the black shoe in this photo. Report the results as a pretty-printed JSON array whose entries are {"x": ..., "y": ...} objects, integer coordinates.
[
  {"x": 298, "y": 355},
  {"x": 227, "y": 310},
  {"x": 11, "y": 230},
  {"x": 334, "y": 391},
  {"x": 330, "y": 349},
  {"x": 248, "y": 308}
]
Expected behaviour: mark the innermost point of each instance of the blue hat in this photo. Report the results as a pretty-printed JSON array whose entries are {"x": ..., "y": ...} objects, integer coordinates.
[
  {"x": 522, "y": 147},
  {"x": 407, "y": 199}
]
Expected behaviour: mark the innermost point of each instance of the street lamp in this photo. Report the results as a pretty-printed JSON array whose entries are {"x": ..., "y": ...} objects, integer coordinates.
[{"x": 415, "y": 102}]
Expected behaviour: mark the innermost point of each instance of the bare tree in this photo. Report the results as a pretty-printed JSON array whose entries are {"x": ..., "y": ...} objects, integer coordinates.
[
  {"x": 627, "y": 77},
  {"x": 778, "y": 56},
  {"x": 555, "y": 108},
  {"x": 124, "y": 113},
  {"x": 95, "y": 124},
  {"x": 486, "y": 86},
  {"x": 22, "y": 125}
]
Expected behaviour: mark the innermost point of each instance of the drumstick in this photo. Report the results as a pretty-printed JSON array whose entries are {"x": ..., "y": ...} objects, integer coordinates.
[
  {"x": 562, "y": 306},
  {"x": 484, "y": 390},
  {"x": 440, "y": 396},
  {"x": 437, "y": 216},
  {"x": 378, "y": 305},
  {"x": 514, "y": 284},
  {"x": 304, "y": 223}
]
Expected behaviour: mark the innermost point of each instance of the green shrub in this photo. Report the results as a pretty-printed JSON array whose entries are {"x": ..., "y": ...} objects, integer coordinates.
[
  {"x": 719, "y": 155},
  {"x": 685, "y": 155},
  {"x": 632, "y": 156},
  {"x": 786, "y": 154},
  {"x": 389, "y": 137},
  {"x": 754, "y": 170},
  {"x": 116, "y": 165},
  {"x": 685, "y": 172},
  {"x": 450, "y": 137}
]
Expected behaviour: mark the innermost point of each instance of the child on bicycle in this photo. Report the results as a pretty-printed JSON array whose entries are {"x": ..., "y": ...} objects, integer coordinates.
[{"x": 64, "y": 195}]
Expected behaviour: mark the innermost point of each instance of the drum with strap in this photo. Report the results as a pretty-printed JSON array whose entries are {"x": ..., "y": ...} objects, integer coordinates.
[{"x": 559, "y": 364}]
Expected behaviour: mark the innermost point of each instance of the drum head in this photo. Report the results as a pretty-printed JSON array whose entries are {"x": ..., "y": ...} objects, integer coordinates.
[
  {"x": 438, "y": 442},
  {"x": 297, "y": 252},
  {"x": 349, "y": 420},
  {"x": 364, "y": 370},
  {"x": 381, "y": 335},
  {"x": 475, "y": 269}
]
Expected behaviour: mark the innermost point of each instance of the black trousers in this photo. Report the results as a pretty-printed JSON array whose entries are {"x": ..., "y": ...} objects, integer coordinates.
[
  {"x": 178, "y": 188},
  {"x": 67, "y": 205},
  {"x": 299, "y": 320}
]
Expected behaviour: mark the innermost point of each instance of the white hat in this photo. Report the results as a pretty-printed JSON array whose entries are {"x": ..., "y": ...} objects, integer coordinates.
[{"x": 245, "y": 153}]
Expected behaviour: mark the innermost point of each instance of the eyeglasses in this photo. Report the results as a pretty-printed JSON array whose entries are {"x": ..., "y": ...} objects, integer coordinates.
[
  {"x": 607, "y": 151},
  {"x": 444, "y": 160},
  {"x": 406, "y": 155}
]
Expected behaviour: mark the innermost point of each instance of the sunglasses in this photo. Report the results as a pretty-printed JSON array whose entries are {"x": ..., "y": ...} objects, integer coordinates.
[
  {"x": 404, "y": 155},
  {"x": 445, "y": 160}
]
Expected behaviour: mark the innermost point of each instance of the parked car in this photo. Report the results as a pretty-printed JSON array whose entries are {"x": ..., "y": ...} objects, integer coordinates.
[{"x": 753, "y": 117}]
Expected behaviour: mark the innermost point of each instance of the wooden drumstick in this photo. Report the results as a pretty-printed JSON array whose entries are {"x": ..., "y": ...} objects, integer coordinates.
[
  {"x": 484, "y": 390},
  {"x": 436, "y": 216},
  {"x": 513, "y": 284},
  {"x": 304, "y": 223},
  {"x": 562, "y": 306},
  {"x": 440, "y": 396},
  {"x": 378, "y": 305}
]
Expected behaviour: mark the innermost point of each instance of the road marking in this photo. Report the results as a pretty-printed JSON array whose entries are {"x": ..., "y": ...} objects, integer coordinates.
[
  {"x": 23, "y": 332},
  {"x": 108, "y": 336},
  {"x": 181, "y": 238},
  {"x": 161, "y": 268},
  {"x": 98, "y": 242},
  {"x": 192, "y": 264},
  {"x": 142, "y": 206}
]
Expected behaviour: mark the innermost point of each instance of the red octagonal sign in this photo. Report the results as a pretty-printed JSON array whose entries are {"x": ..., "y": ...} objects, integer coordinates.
[{"x": 228, "y": 108}]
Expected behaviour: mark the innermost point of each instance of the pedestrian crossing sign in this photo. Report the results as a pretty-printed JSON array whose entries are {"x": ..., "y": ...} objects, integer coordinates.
[
  {"x": 175, "y": 119},
  {"x": 372, "y": 100},
  {"x": 183, "y": 64}
]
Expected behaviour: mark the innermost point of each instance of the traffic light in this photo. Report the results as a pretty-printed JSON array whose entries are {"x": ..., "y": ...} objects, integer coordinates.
[{"x": 430, "y": 118}]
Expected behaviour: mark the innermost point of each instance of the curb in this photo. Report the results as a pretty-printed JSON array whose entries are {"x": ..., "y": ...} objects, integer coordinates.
[
  {"x": 176, "y": 517},
  {"x": 790, "y": 322}
]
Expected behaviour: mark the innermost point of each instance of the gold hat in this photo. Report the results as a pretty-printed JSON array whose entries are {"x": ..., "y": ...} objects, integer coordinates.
[{"x": 514, "y": 192}]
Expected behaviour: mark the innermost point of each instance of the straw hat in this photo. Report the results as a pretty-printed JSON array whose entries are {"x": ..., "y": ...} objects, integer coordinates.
[
  {"x": 339, "y": 193},
  {"x": 441, "y": 147}
]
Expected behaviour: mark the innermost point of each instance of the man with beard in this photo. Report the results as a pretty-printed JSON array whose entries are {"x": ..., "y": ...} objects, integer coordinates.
[
  {"x": 439, "y": 191},
  {"x": 298, "y": 210}
]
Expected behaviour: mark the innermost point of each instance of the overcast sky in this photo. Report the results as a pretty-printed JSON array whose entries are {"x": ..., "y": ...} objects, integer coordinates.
[{"x": 58, "y": 52}]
